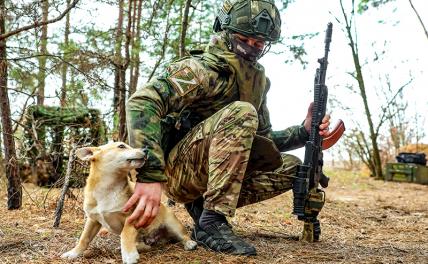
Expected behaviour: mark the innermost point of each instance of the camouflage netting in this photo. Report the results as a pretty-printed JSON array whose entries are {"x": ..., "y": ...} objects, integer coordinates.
[{"x": 49, "y": 133}]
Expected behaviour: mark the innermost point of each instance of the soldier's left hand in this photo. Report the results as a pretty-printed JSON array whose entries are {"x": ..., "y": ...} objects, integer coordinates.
[{"x": 325, "y": 123}]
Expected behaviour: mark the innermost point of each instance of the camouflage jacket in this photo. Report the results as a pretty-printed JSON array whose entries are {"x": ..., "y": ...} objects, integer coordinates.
[{"x": 199, "y": 86}]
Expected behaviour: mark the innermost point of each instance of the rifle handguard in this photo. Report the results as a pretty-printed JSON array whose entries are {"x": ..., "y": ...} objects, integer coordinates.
[{"x": 333, "y": 136}]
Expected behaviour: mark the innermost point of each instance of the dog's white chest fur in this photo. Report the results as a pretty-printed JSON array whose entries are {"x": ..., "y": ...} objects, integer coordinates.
[{"x": 108, "y": 208}]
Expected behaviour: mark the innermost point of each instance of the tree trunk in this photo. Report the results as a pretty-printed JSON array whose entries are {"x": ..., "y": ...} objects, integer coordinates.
[
  {"x": 124, "y": 66},
  {"x": 14, "y": 188},
  {"x": 43, "y": 51},
  {"x": 118, "y": 62},
  {"x": 135, "y": 54},
  {"x": 377, "y": 168},
  {"x": 64, "y": 68},
  {"x": 184, "y": 24},
  {"x": 58, "y": 137}
]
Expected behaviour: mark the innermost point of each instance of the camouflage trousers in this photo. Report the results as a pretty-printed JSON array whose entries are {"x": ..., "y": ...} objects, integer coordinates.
[{"x": 211, "y": 161}]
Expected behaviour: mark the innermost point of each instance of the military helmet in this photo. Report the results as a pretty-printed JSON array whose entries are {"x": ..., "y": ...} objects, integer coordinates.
[{"x": 252, "y": 18}]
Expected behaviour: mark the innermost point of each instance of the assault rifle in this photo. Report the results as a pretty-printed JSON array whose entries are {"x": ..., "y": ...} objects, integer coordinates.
[{"x": 308, "y": 197}]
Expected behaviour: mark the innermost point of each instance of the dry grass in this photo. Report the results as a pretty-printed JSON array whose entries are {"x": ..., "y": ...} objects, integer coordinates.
[{"x": 364, "y": 221}]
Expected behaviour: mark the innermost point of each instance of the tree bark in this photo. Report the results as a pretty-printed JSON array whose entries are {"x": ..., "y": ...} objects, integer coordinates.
[
  {"x": 184, "y": 24},
  {"x": 42, "y": 52},
  {"x": 135, "y": 54},
  {"x": 117, "y": 67},
  {"x": 124, "y": 66},
  {"x": 14, "y": 188},
  {"x": 58, "y": 138},
  {"x": 121, "y": 64},
  {"x": 64, "y": 68}
]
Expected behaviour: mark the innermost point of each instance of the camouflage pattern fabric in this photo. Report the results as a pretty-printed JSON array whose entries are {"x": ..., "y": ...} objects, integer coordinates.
[
  {"x": 259, "y": 19},
  {"x": 262, "y": 185},
  {"x": 207, "y": 83},
  {"x": 227, "y": 97},
  {"x": 211, "y": 162}
]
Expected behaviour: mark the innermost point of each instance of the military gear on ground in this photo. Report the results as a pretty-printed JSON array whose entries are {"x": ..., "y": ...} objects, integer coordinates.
[
  {"x": 407, "y": 157},
  {"x": 254, "y": 18},
  {"x": 220, "y": 238},
  {"x": 244, "y": 50}
]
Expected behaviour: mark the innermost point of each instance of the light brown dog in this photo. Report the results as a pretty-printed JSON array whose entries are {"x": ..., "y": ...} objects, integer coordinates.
[{"x": 106, "y": 192}]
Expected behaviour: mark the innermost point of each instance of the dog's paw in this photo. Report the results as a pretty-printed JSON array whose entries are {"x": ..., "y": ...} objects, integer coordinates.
[
  {"x": 190, "y": 245},
  {"x": 72, "y": 254},
  {"x": 143, "y": 247},
  {"x": 130, "y": 257}
]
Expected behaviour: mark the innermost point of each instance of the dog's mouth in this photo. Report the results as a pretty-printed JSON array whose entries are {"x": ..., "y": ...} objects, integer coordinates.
[
  {"x": 136, "y": 159},
  {"x": 137, "y": 162}
]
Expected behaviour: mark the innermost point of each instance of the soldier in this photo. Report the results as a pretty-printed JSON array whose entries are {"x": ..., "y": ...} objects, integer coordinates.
[{"x": 206, "y": 126}]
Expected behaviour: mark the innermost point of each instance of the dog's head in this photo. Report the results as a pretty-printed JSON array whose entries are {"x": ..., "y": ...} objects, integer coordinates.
[{"x": 113, "y": 156}]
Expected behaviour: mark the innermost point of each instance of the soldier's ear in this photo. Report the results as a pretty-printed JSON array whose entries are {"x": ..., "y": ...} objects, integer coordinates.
[{"x": 86, "y": 153}]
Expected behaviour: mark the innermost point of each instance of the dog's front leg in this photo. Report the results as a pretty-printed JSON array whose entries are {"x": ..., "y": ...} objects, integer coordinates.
[
  {"x": 128, "y": 244},
  {"x": 89, "y": 231},
  {"x": 177, "y": 229}
]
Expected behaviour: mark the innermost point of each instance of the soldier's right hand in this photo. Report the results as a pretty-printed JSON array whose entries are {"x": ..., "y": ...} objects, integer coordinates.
[{"x": 146, "y": 197}]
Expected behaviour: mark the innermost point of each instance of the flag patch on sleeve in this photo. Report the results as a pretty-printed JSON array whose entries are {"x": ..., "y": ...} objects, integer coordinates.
[{"x": 183, "y": 80}]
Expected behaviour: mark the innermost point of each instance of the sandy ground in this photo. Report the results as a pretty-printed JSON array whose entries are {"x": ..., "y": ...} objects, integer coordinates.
[{"x": 364, "y": 221}]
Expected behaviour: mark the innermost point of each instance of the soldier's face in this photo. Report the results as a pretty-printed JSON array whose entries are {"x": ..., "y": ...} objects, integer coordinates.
[
  {"x": 249, "y": 48},
  {"x": 256, "y": 43}
]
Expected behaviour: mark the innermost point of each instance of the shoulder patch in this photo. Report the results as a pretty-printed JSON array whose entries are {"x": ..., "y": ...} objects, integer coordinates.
[
  {"x": 183, "y": 80},
  {"x": 187, "y": 75}
]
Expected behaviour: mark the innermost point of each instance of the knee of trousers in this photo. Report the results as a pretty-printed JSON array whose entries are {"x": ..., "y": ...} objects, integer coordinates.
[
  {"x": 244, "y": 113},
  {"x": 290, "y": 159}
]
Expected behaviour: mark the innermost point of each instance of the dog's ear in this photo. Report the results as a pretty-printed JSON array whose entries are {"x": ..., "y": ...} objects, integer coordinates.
[{"x": 86, "y": 153}]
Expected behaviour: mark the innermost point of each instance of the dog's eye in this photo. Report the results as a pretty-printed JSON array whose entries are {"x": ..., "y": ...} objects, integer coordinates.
[{"x": 121, "y": 146}]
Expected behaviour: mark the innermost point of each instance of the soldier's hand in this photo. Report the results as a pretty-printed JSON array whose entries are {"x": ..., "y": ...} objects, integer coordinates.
[
  {"x": 325, "y": 123},
  {"x": 146, "y": 197}
]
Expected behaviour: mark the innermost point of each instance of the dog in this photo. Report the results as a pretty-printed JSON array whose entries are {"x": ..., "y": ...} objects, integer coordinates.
[{"x": 107, "y": 190}]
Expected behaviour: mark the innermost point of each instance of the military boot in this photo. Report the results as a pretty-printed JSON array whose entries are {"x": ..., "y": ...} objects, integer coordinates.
[
  {"x": 215, "y": 233},
  {"x": 195, "y": 209}
]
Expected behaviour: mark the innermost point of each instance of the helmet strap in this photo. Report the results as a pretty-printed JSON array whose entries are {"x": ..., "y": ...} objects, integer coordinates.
[{"x": 266, "y": 49}]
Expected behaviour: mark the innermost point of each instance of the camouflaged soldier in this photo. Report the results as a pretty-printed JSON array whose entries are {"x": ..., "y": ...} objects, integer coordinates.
[{"x": 206, "y": 127}]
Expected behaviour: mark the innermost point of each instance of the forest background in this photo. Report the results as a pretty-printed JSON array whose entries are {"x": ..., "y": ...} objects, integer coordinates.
[
  {"x": 93, "y": 55},
  {"x": 67, "y": 68}
]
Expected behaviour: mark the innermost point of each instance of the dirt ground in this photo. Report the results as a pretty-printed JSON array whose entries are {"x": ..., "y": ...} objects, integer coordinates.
[{"x": 364, "y": 221}]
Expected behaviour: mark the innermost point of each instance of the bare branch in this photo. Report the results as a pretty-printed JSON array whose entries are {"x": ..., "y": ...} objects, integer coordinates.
[
  {"x": 385, "y": 116},
  {"x": 39, "y": 23},
  {"x": 420, "y": 20},
  {"x": 164, "y": 44}
]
